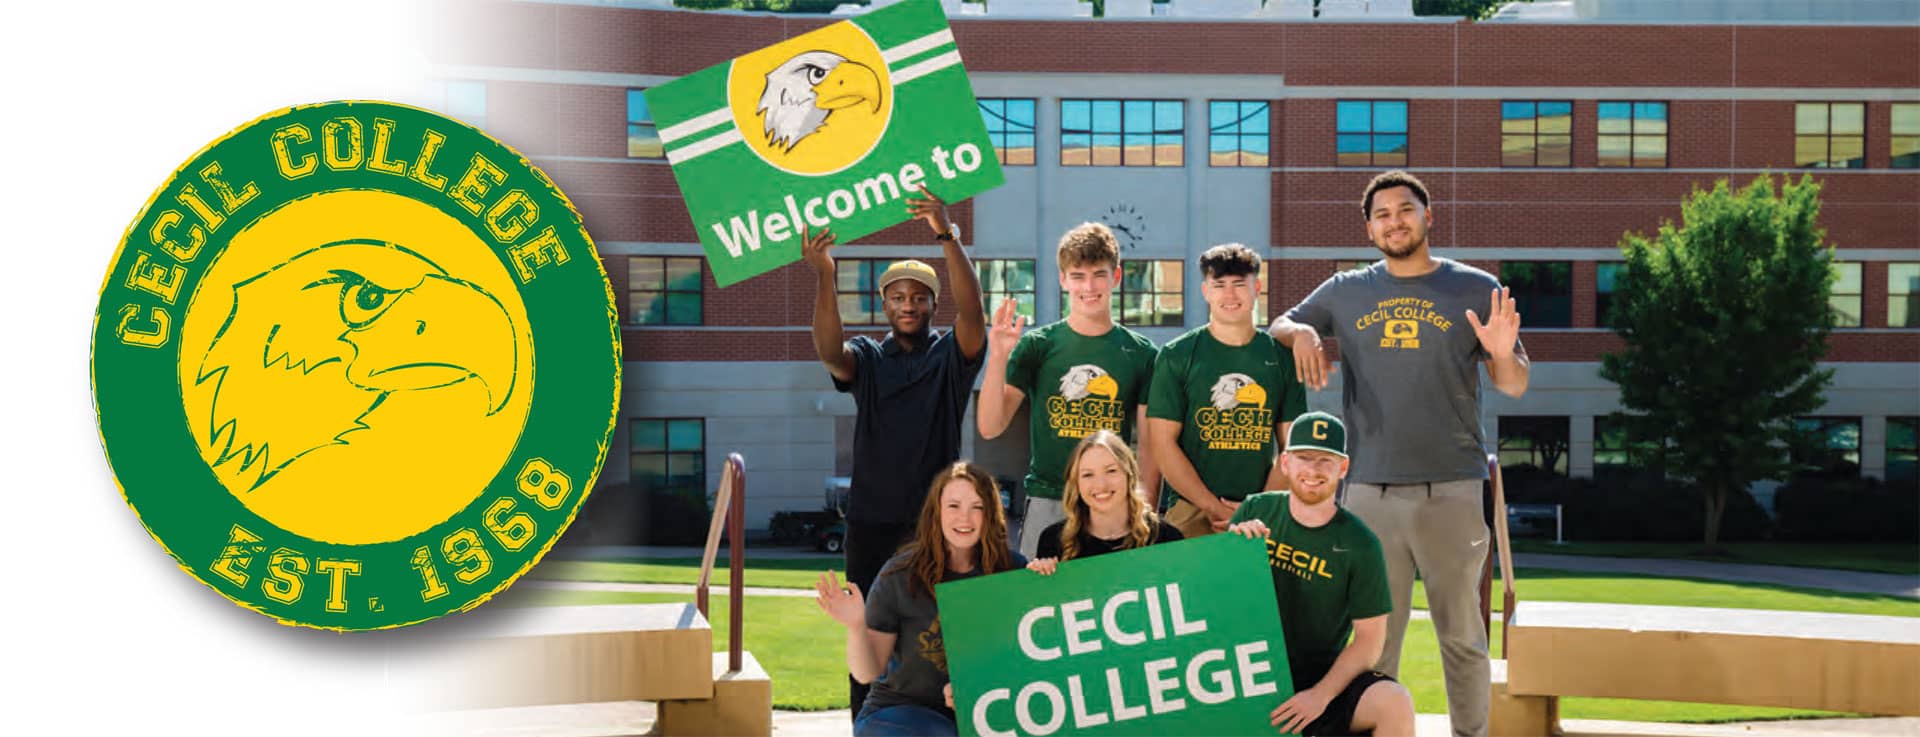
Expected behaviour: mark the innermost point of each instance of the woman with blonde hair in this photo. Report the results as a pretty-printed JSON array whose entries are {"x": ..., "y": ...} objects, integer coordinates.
[
  {"x": 1104, "y": 508},
  {"x": 893, "y": 636}
]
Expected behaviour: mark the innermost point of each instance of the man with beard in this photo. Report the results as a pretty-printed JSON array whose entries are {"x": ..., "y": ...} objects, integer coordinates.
[
  {"x": 910, "y": 389},
  {"x": 1410, "y": 375},
  {"x": 1330, "y": 582}
]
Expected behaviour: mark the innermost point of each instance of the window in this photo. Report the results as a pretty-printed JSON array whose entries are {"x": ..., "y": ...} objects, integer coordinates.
[
  {"x": 1905, "y": 138},
  {"x": 663, "y": 290},
  {"x": 856, "y": 289},
  {"x": 1832, "y": 445},
  {"x": 1010, "y": 127},
  {"x": 1606, "y": 278},
  {"x": 643, "y": 139},
  {"x": 1540, "y": 442},
  {"x": 1633, "y": 134},
  {"x": 1004, "y": 278},
  {"x": 1150, "y": 293},
  {"x": 1542, "y": 290},
  {"x": 1903, "y": 449},
  {"x": 467, "y": 102},
  {"x": 1122, "y": 132},
  {"x": 1237, "y": 132},
  {"x": 1370, "y": 133},
  {"x": 1536, "y": 133},
  {"x": 1903, "y": 295},
  {"x": 1617, "y": 447},
  {"x": 1830, "y": 135},
  {"x": 668, "y": 455},
  {"x": 1845, "y": 298}
]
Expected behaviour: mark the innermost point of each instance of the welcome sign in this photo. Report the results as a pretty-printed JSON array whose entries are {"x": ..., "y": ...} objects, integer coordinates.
[
  {"x": 1182, "y": 638},
  {"x": 834, "y": 128}
]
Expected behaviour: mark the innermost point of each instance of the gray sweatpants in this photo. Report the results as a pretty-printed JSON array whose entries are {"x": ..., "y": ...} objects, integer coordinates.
[{"x": 1438, "y": 530}]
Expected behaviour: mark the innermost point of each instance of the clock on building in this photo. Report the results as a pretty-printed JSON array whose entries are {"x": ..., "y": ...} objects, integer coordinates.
[{"x": 1128, "y": 224}]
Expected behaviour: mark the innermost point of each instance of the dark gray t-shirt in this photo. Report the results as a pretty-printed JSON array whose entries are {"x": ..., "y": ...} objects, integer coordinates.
[
  {"x": 1410, "y": 368},
  {"x": 909, "y": 406},
  {"x": 916, "y": 672}
]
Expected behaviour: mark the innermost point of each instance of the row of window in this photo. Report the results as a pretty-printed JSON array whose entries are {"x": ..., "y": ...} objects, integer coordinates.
[
  {"x": 1368, "y": 133},
  {"x": 669, "y": 454},
  {"x": 666, "y": 290},
  {"x": 1543, "y": 442}
]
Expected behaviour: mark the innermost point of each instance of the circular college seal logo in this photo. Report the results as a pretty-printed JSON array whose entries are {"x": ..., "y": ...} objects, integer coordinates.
[
  {"x": 813, "y": 105},
  {"x": 356, "y": 365}
]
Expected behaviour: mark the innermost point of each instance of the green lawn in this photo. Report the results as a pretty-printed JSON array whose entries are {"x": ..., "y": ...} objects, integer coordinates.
[
  {"x": 1533, "y": 584},
  {"x": 1901, "y": 558},
  {"x": 809, "y": 672}
]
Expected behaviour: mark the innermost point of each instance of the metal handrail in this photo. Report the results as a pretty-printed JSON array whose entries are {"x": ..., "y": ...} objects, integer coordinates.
[
  {"x": 729, "y": 505},
  {"x": 1504, "y": 549}
]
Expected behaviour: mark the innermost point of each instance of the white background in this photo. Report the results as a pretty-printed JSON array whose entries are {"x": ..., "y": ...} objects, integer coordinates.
[{"x": 99, "y": 102}]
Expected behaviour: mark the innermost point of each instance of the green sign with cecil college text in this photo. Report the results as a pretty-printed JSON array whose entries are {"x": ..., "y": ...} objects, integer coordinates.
[
  {"x": 1182, "y": 638},
  {"x": 834, "y": 128}
]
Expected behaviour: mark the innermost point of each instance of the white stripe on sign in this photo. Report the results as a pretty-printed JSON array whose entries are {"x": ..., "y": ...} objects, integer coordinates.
[
  {"x": 686, "y": 128},
  {"x": 941, "y": 38},
  {"x": 926, "y": 67},
  {"x": 678, "y": 156}
]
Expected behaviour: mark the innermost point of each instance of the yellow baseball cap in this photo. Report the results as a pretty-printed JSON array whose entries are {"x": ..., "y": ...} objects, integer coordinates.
[{"x": 911, "y": 269}]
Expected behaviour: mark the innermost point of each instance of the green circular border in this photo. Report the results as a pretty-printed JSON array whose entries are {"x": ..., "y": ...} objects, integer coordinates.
[{"x": 157, "y": 464}]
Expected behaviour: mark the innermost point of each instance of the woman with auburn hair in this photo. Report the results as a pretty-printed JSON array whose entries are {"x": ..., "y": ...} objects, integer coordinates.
[
  {"x": 893, "y": 637},
  {"x": 1104, "y": 508}
]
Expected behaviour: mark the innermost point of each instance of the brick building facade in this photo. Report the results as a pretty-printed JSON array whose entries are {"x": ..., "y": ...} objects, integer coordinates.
[{"x": 553, "y": 79}]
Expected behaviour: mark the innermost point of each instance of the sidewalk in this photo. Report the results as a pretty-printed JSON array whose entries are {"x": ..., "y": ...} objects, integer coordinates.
[
  {"x": 1857, "y": 582},
  {"x": 636, "y": 718}
]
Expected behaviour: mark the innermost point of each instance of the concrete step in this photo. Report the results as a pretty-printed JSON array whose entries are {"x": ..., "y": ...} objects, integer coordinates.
[
  {"x": 577, "y": 655},
  {"x": 1806, "y": 660},
  {"x": 741, "y": 706}
]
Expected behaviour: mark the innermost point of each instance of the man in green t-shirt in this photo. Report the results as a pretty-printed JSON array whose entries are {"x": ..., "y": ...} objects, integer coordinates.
[
  {"x": 1085, "y": 373},
  {"x": 1218, "y": 394},
  {"x": 1330, "y": 580}
]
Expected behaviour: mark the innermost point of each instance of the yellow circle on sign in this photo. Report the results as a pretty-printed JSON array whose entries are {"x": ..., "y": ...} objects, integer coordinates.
[
  {"x": 814, "y": 104},
  {"x": 357, "y": 366}
]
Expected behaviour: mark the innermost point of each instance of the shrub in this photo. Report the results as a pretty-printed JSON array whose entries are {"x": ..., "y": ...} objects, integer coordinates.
[{"x": 1839, "y": 508}]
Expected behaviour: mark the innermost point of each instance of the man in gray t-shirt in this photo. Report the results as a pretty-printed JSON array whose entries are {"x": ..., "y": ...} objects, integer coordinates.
[{"x": 1411, "y": 346}]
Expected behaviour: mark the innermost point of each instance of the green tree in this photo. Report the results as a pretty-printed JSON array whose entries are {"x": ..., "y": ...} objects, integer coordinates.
[{"x": 1725, "y": 320}]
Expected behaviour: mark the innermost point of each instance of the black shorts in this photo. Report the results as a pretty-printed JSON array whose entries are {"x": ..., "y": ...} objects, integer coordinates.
[{"x": 1338, "y": 718}]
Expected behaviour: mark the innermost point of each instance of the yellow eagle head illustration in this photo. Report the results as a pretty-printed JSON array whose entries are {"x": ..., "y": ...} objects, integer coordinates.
[
  {"x": 1233, "y": 390},
  {"x": 1087, "y": 379},
  {"x": 805, "y": 90},
  {"x": 314, "y": 345}
]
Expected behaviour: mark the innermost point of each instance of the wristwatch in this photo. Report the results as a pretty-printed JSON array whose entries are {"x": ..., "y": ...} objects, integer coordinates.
[{"x": 952, "y": 234}]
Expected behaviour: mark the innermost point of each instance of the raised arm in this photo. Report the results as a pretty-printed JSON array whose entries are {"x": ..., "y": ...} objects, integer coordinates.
[
  {"x": 1499, "y": 336},
  {"x": 970, "y": 322},
  {"x": 829, "y": 337},
  {"x": 867, "y": 648},
  {"x": 998, "y": 399}
]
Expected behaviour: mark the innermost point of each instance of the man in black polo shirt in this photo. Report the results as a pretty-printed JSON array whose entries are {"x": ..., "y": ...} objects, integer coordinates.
[{"x": 910, "y": 390}]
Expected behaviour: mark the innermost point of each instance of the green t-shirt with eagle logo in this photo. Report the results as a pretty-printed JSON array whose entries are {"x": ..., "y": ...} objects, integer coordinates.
[
  {"x": 1078, "y": 384},
  {"x": 1227, "y": 400},
  {"x": 1323, "y": 578}
]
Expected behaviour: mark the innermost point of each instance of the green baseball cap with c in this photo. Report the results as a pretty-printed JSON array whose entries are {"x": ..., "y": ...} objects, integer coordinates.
[{"x": 1318, "y": 431}]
